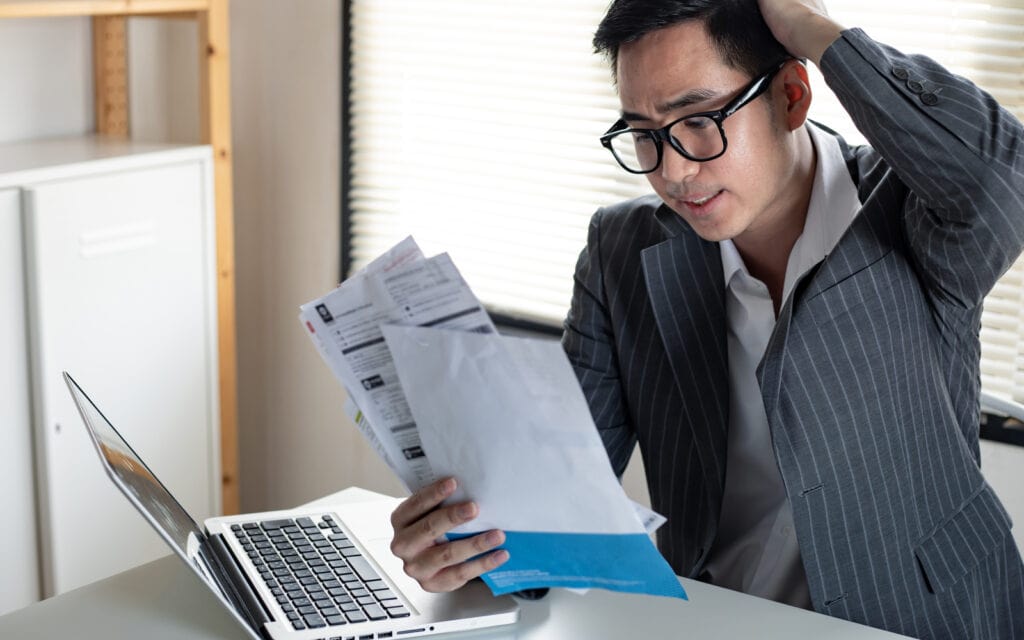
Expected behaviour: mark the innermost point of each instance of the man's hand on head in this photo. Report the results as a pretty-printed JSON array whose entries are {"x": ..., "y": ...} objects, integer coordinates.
[
  {"x": 802, "y": 26},
  {"x": 419, "y": 521}
]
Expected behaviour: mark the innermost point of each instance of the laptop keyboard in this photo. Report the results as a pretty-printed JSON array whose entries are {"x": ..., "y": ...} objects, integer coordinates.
[{"x": 316, "y": 573}]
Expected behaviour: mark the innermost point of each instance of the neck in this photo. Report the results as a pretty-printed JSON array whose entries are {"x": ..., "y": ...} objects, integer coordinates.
[{"x": 765, "y": 248}]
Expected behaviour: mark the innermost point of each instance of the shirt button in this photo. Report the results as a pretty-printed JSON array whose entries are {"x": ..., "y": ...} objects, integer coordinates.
[
  {"x": 930, "y": 99},
  {"x": 900, "y": 73},
  {"x": 915, "y": 86}
]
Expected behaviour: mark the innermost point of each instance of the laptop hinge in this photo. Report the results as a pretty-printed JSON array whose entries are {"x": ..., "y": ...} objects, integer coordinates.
[{"x": 233, "y": 582}]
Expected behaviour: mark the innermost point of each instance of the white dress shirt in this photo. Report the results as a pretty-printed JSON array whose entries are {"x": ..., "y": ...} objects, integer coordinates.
[{"x": 756, "y": 549}]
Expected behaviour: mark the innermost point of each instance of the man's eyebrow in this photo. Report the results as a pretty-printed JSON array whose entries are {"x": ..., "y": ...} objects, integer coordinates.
[{"x": 689, "y": 98}]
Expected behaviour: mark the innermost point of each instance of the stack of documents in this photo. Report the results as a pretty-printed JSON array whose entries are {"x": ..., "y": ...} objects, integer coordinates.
[{"x": 437, "y": 392}]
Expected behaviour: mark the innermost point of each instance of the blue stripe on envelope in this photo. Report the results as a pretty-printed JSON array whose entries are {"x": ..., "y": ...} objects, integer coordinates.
[{"x": 617, "y": 562}]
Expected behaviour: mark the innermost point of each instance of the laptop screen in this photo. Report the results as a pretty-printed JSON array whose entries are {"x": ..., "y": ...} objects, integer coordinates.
[{"x": 134, "y": 477}]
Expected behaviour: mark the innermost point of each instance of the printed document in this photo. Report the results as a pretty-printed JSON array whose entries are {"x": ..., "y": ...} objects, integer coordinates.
[{"x": 438, "y": 392}]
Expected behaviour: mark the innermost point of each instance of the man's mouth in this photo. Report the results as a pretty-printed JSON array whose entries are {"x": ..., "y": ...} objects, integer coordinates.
[{"x": 700, "y": 202}]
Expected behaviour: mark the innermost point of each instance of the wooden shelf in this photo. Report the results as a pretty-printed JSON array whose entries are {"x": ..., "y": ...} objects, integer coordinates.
[
  {"x": 68, "y": 8},
  {"x": 110, "y": 71}
]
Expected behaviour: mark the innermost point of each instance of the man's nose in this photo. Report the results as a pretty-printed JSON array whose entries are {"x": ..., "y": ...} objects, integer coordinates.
[{"x": 675, "y": 167}]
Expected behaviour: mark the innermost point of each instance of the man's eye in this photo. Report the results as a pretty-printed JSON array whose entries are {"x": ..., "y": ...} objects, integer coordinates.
[
  {"x": 642, "y": 138},
  {"x": 698, "y": 123}
]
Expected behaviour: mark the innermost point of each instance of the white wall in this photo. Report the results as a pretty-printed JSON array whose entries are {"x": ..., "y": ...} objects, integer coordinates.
[
  {"x": 47, "y": 78},
  {"x": 296, "y": 443}
]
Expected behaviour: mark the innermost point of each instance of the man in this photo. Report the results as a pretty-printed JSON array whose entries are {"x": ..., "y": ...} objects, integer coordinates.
[{"x": 789, "y": 330}]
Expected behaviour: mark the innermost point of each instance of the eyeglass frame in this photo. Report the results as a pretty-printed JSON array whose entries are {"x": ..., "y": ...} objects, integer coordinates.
[{"x": 747, "y": 95}]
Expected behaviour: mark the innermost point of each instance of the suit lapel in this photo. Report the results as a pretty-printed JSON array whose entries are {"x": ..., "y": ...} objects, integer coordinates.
[
  {"x": 685, "y": 283},
  {"x": 869, "y": 238}
]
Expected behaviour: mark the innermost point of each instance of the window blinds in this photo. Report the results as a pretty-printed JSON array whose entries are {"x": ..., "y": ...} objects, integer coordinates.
[{"x": 474, "y": 127}]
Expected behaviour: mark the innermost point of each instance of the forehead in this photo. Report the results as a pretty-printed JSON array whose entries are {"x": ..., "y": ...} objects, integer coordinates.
[{"x": 671, "y": 61}]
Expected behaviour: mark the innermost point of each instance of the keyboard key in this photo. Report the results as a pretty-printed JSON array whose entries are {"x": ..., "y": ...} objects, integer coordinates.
[
  {"x": 359, "y": 593},
  {"x": 305, "y": 523},
  {"x": 366, "y": 600},
  {"x": 351, "y": 552},
  {"x": 375, "y": 612},
  {"x": 350, "y": 606},
  {"x": 363, "y": 568},
  {"x": 355, "y": 616},
  {"x": 398, "y": 612},
  {"x": 376, "y": 585},
  {"x": 384, "y": 594},
  {"x": 298, "y": 625},
  {"x": 314, "y": 621},
  {"x": 273, "y": 525},
  {"x": 336, "y": 621}
]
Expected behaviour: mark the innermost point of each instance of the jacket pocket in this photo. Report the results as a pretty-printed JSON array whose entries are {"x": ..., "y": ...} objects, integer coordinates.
[{"x": 963, "y": 540}]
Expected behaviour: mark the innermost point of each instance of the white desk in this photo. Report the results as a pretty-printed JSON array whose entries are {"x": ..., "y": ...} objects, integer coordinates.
[{"x": 164, "y": 600}]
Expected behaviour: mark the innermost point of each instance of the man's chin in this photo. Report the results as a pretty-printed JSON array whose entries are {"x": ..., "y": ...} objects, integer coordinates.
[{"x": 707, "y": 230}]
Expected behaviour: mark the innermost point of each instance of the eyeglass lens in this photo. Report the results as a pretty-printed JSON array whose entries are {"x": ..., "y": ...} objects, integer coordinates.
[{"x": 699, "y": 136}]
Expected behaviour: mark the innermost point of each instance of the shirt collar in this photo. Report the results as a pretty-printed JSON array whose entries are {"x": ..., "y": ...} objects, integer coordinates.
[{"x": 833, "y": 206}]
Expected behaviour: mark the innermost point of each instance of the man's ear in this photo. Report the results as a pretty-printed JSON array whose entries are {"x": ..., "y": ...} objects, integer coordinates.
[{"x": 796, "y": 94}]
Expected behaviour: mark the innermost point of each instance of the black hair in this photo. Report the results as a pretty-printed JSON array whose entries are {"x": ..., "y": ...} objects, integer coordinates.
[{"x": 735, "y": 27}]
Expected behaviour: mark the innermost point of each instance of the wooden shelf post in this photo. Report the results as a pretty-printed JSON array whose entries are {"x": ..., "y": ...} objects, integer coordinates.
[
  {"x": 110, "y": 74},
  {"x": 215, "y": 108}
]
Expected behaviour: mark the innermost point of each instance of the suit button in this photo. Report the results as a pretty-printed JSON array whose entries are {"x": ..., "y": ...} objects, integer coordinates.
[
  {"x": 930, "y": 99},
  {"x": 915, "y": 86},
  {"x": 900, "y": 73}
]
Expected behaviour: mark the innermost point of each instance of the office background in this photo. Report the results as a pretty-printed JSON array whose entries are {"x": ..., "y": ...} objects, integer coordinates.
[{"x": 295, "y": 443}]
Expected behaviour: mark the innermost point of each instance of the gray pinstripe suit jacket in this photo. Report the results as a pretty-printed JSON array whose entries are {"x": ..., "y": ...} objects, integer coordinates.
[{"x": 871, "y": 378}]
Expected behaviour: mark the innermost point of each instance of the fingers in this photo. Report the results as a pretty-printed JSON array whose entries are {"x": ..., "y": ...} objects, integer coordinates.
[
  {"x": 420, "y": 520},
  {"x": 421, "y": 502},
  {"x": 448, "y": 566}
]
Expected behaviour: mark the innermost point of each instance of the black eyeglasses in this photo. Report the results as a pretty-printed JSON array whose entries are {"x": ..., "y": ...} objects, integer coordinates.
[{"x": 698, "y": 136}]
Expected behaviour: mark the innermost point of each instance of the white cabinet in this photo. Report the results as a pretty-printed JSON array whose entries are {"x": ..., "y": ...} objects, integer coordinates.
[
  {"x": 119, "y": 290},
  {"x": 18, "y": 550}
]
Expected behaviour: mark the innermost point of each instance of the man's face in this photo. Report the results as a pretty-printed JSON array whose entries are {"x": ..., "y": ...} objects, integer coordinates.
[{"x": 676, "y": 71}]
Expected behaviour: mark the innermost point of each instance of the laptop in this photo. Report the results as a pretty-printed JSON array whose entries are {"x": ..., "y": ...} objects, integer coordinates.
[{"x": 323, "y": 573}]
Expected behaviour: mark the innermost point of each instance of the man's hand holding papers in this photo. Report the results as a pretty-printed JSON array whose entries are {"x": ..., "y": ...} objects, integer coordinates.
[{"x": 421, "y": 520}]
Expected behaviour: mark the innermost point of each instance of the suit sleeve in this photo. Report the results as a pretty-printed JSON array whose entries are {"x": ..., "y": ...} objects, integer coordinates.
[
  {"x": 960, "y": 154},
  {"x": 588, "y": 341}
]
